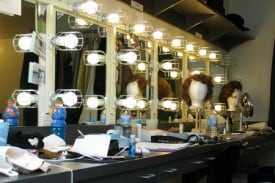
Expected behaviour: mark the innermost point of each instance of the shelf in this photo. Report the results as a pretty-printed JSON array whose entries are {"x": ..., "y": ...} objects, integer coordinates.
[{"x": 194, "y": 16}]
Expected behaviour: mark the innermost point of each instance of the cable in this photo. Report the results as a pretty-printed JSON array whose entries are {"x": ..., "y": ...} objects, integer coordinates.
[{"x": 71, "y": 171}]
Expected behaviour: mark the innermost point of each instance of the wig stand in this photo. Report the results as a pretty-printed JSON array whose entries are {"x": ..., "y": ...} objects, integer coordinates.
[{"x": 198, "y": 128}]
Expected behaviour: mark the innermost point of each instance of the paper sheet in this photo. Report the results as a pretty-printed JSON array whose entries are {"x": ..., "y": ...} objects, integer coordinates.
[{"x": 162, "y": 146}]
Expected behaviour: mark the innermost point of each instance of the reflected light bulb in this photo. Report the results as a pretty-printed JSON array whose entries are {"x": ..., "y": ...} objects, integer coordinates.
[
  {"x": 212, "y": 55},
  {"x": 157, "y": 34},
  {"x": 25, "y": 43},
  {"x": 173, "y": 74},
  {"x": 218, "y": 79},
  {"x": 92, "y": 102},
  {"x": 176, "y": 42},
  {"x": 217, "y": 107},
  {"x": 129, "y": 57},
  {"x": 141, "y": 66},
  {"x": 113, "y": 18},
  {"x": 93, "y": 58},
  {"x": 69, "y": 98},
  {"x": 167, "y": 65},
  {"x": 139, "y": 28},
  {"x": 80, "y": 21},
  {"x": 89, "y": 7},
  {"x": 70, "y": 41},
  {"x": 141, "y": 104},
  {"x": 129, "y": 102},
  {"x": 190, "y": 47},
  {"x": 24, "y": 98},
  {"x": 202, "y": 52}
]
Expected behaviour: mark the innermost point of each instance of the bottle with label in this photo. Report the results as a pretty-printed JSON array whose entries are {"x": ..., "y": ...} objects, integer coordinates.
[
  {"x": 138, "y": 129},
  {"x": 4, "y": 129},
  {"x": 132, "y": 146},
  {"x": 59, "y": 114},
  {"x": 11, "y": 113}
]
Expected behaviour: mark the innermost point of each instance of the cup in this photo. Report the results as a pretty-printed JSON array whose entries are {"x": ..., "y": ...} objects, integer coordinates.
[{"x": 4, "y": 131}]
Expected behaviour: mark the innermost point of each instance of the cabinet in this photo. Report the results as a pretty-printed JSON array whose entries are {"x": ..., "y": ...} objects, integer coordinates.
[{"x": 194, "y": 17}]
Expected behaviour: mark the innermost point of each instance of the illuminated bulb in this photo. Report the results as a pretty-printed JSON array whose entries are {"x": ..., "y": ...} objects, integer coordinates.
[
  {"x": 113, "y": 18},
  {"x": 169, "y": 105},
  {"x": 25, "y": 43},
  {"x": 69, "y": 98},
  {"x": 191, "y": 57},
  {"x": 90, "y": 7},
  {"x": 94, "y": 58},
  {"x": 141, "y": 104},
  {"x": 180, "y": 54},
  {"x": 165, "y": 49},
  {"x": 70, "y": 41},
  {"x": 217, "y": 107},
  {"x": 218, "y": 79},
  {"x": 190, "y": 47},
  {"x": 167, "y": 65},
  {"x": 141, "y": 66},
  {"x": 129, "y": 57},
  {"x": 149, "y": 44},
  {"x": 157, "y": 35},
  {"x": 92, "y": 102},
  {"x": 212, "y": 55},
  {"x": 196, "y": 72},
  {"x": 80, "y": 21},
  {"x": 24, "y": 98},
  {"x": 139, "y": 28},
  {"x": 174, "y": 74},
  {"x": 202, "y": 52},
  {"x": 130, "y": 102},
  {"x": 176, "y": 42}
]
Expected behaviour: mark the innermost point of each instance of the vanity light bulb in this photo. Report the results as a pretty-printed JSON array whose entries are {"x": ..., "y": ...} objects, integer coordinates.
[
  {"x": 165, "y": 49},
  {"x": 173, "y": 74},
  {"x": 69, "y": 41},
  {"x": 169, "y": 105},
  {"x": 139, "y": 28},
  {"x": 69, "y": 99},
  {"x": 141, "y": 104},
  {"x": 81, "y": 22},
  {"x": 141, "y": 66},
  {"x": 217, "y": 107},
  {"x": 167, "y": 65},
  {"x": 212, "y": 55},
  {"x": 149, "y": 44},
  {"x": 176, "y": 42},
  {"x": 24, "y": 98},
  {"x": 130, "y": 57},
  {"x": 218, "y": 79},
  {"x": 130, "y": 102},
  {"x": 92, "y": 102},
  {"x": 202, "y": 52},
  {"x": 190, "y": 47},
  {"x": 113, "y": 18},
  {"x": 25, "y": 43},
  {"x": 93, "y": 58},
  {"x": 180, "y": 54},
  {"x": 90, "y": 7},
  {"x": 157, "y": 35}
]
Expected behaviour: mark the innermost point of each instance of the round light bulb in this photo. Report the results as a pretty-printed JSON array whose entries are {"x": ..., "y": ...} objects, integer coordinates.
[
  {"x": 89, "y": 7},
  {"x": 69, "y": 99},
  {"x": 113, "y": 18},
  {"x": 130, "y": 102},
  {"x": 212, "y": 55},
  {"x": 176, "y": 42},
  {"x": 92, "y": 102},
  {"x": 130, "y": 57},
  {"x": 202, "y": 52},
  {"x": 70, "y": 41},
  {"x": 24, "y": 98},
  {"x": 157, "y": 35},
  {"x": 141, "y": 66},
  {"x": 218, "y": 79},
  {"x": 93, "y": 58},
  {"x": 167, "y": 65},
  {"x": 190, "y": 47},
  {"x": 217, "y": 107},
  {"x": 173, "y": 74},
  {"x": 25, "y": 43},
  {"x": 141, "y": 104},
  {"x": 139, "y": 28},
  {"x": 81, "y": 22}
]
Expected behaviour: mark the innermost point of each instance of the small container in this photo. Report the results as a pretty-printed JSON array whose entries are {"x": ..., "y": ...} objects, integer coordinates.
[
  {"x": 138, "y": 129},
  {"x": 4, "y": 129},
  {"x": 132, "y": 146}
]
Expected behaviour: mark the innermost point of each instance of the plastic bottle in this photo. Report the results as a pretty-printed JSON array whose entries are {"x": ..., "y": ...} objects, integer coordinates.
[
  {"x": 138, "y": 129},
  {"x": 4, "y": 129},
  {"x": 11, "y": 113},
  {"x": 59, "y": 114},
  {"x": 103, "y": 117},
  {"x": 132, "y": 146}
]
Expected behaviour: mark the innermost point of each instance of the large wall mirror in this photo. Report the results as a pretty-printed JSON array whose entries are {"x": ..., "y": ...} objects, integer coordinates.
[{"x": 12, "y": 64}]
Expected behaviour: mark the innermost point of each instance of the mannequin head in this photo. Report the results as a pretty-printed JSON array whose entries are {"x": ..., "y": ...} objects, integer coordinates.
[
  {"x": 137, "y": 86},
  {"x": 197, "y": 89},
  {"x": 230, "y": 94}
]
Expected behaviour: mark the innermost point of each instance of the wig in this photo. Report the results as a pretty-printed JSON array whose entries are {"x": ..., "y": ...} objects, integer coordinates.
[
  {"x": 228, "y": 89},
  {"x": 203, "y": 78},
  {"x": 142, "y": 83},
  {"x": 164, "y": 88}
]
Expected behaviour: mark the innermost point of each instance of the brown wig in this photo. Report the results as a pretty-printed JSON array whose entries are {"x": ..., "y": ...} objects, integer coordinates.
[
  {"x": 142, "y": 83},
  {"x": 164, "y": 89},
  {"x": 228, "y": 89},
  {"x": 203, "y": 78}
]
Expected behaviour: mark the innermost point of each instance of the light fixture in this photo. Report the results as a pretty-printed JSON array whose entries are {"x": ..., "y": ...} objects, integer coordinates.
[
  {"x": 22, "y": 42},
  {"x": 160, "y": 34},
  {"x": 116, "y": 17},
  {"x": 89, "y": 7},
  {"x": 197, "y": 71},
  {"x": 130, "y": 102},
  {"x": 128, "y": 56},
  {"x": 172, "y": 75},
  {"x": 26, "y": 98},
  {"x": 68, "y": 41},
  {"x": 140, "y": 67},
  {"x": 142, "y": 27},
  {"x": 191, "y": 47},
  {"x": 214, "y": 56},
  {"x": 72, "y": 98},
  {"x": 169, "y": 104},
  {"x": 94, "y": 102},
  {"x": 94, "y": 57},
  {"x": 220, "y": 108},
  {"x": 78, "y": 23},
  {"x": 168, "y": 65},
  {"x": 203, "y": 52},
  {"x": 219, "y": 79},
  {"x": 178, "y": 42}
]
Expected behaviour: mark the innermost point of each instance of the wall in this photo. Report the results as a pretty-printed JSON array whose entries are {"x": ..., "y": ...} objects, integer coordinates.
[
  {"x": 10, "y": 61},
  {"x": 254, "y": 58}
]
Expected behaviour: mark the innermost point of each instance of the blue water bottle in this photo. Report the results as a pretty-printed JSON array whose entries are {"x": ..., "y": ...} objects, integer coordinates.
[
  {"x": 59, "y": 114},
  {"x": 11, "y": 113},
  {"x": 132, "y": 146}
]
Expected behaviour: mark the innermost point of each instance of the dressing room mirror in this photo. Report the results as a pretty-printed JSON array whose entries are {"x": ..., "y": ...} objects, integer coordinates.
[
  {"x": 13, "y": 64},
  {"x": 169, "y": 82},
  {"x": 78, "y": 69},
  {"x": 133, "y": 59}
]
